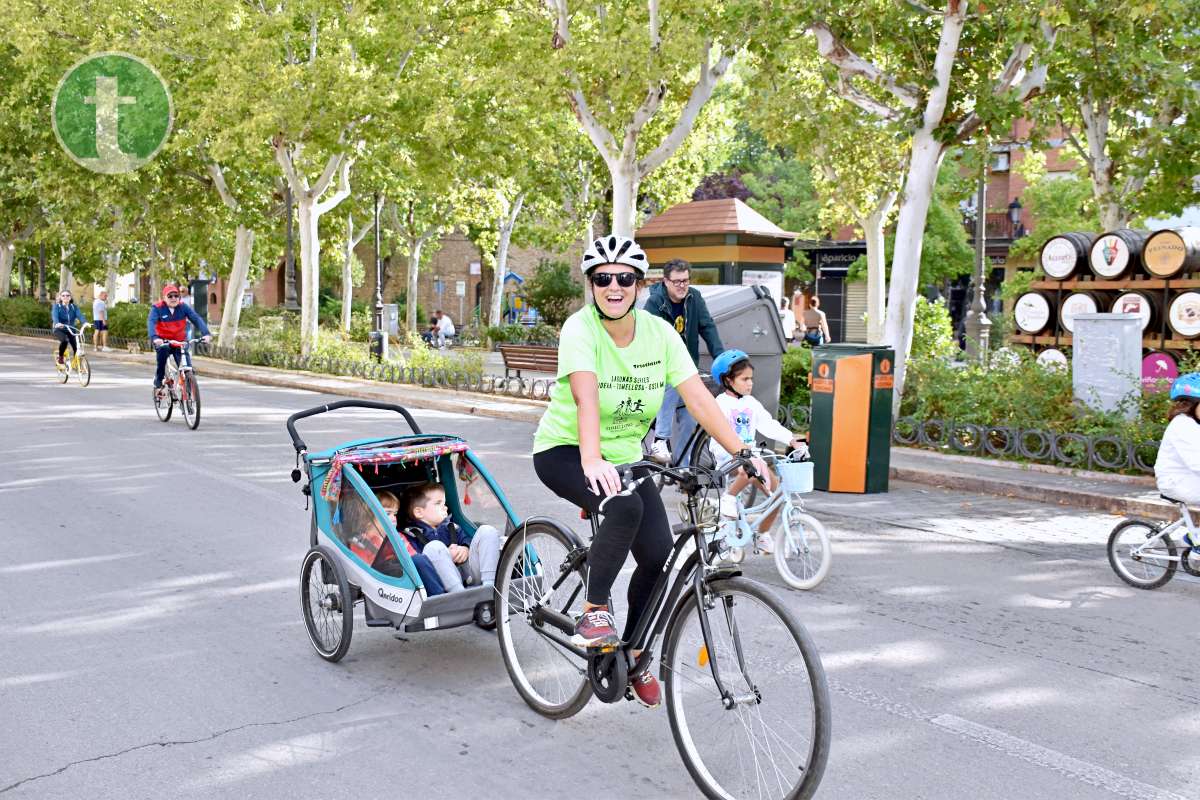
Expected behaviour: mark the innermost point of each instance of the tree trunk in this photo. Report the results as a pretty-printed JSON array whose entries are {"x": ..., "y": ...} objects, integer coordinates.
[
  {"x": 624, "y": 190},
  {"x": 310, "y": 272},
  {"x": 414, "y": 267},
  {"x": 906, "y": 259},
  {"x": 152, "y": 268},
  {"x": 6, "y": 265},
  {"x": 507, "y": 224},
  {"x": 231, "y": 314},
  {"x": 110, "y": 278},
  {"x": 876, "y": 279},
  {"x": 64, "y": 272}
]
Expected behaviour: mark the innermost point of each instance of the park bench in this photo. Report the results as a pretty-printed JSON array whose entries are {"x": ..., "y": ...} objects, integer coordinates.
[{"x": 532, "y": 357}]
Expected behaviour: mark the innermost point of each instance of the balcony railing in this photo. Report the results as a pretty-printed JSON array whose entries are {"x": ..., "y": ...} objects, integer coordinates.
[{"x": 998, "y": 225}]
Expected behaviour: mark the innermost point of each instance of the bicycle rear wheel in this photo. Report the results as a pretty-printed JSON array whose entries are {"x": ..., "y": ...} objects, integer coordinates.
[
  {"x": 802, "y": 550},
  {"x": 774, "y": 740},
  {"x": 83, "y": 371},
  {"x": 1141, "y": 565},
  {"x": 189, "y": 400},
  {"x": 163, "y": 405},
  {"x": 549, "y": 677}
]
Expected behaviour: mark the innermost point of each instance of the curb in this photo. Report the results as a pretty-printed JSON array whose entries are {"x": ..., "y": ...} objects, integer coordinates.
[
  {"x": 428, "y": 398},
  {"x": 1024, "y": 490}
]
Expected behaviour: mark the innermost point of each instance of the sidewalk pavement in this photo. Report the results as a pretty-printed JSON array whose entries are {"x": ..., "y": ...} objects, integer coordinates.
[{"x": 1105, "y": 492}]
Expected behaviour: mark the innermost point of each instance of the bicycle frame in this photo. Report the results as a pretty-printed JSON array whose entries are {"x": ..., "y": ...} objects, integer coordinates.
[
  {"x": 185, "y": 363},
  {"x": 694, "y": 573},
  {"x": 1184, "y": 521},
  {"x": 77, "y": 336}
]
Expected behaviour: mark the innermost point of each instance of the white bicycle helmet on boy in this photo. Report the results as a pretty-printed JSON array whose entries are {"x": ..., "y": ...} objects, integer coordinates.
[{"x": 615, "y": 249}]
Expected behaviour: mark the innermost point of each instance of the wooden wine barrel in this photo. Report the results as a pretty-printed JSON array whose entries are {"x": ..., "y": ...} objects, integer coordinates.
[
  {"x": 1117, "y": 253},
  {"x": 1184, "y": 315},
  {"x": 1144, "y": 304},
  {"x": 1159, "y": 368},
  {"x": 1033, "y": 312},
  {"x": 1168, "y": 253},
  {"x": 1082, "y": 303},
  {"x": 1053, "y": 357},
  {"x": 1064, "y": 255}
]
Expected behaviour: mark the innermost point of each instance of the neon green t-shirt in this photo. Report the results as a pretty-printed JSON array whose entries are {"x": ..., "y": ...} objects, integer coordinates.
[{"x": 631, "y": 381}]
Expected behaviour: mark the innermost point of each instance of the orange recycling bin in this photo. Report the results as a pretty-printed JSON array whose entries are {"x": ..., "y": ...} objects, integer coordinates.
[{"x": 851, "y": 429}]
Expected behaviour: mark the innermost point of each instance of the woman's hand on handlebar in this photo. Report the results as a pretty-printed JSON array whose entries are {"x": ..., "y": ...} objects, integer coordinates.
[{"x": 601, "y": 476}]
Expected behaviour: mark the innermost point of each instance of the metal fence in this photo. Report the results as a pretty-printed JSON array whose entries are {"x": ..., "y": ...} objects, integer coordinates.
[
  {"x": 1076, "y": 450},
  {"x": 384, "y": 372}
]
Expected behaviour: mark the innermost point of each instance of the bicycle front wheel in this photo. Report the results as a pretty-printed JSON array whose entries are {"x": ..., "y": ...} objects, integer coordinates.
[
  {"x": 551, "y": 679},
  {"x": 64, "y": 371},
  {"x": 802, "y": 551},
  {"x": 189, "y": 400},
  {"x": 83, "y": 371},
  {"x": 163, "y": 406},
  {"x": 770, "y": 736},
  {"x": 1141, "y": 563}
]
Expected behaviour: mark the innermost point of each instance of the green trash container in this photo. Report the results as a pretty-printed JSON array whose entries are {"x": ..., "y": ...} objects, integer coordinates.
[{"x": 851, "y": 429}]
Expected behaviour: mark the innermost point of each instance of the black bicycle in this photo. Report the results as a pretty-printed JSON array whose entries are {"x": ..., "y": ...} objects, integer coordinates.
[{"x": 747, "y": 698}]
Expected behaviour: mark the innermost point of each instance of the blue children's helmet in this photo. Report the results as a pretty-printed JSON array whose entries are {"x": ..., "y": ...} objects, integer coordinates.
[
  {"x": 723, "y": 364},
  {"x": 1184, "y": 386}
]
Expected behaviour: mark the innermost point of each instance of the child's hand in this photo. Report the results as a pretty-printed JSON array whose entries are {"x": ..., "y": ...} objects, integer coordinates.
[{"x": 458, "y": 553}]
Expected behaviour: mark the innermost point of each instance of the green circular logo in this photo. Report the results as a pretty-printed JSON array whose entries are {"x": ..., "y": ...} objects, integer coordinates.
[{"x": 112, "y": 112}]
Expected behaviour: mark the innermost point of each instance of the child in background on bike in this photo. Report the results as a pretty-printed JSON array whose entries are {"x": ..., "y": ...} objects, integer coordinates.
[
  {"x": 64, "y": 312},
  {"x": 734, "y": 373},
  {"x": 1177, "y": 468},
  {"x": 458, "y": 558},
  {"x": 167, "y": 322}
]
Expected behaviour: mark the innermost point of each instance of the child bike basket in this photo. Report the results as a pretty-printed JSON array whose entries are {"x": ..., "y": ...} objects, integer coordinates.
[{"x": 796, "y": 476}]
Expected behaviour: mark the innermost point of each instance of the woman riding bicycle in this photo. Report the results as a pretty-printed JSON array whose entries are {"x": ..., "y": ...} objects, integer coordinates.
[
  {"x": 63, "y": 313},
  {"x": 614, "y": 363}
]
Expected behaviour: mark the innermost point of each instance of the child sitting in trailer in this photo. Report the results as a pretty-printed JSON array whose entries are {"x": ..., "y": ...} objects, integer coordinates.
[
  {"x": 372, "y": 545},
  {"x": 459, "y": 559}
]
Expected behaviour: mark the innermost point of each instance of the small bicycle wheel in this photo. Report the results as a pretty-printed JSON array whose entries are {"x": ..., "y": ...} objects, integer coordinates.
[
  {"x": 327, "y": 604},
  {"x": 83, "y": 371},
  {"x": 549, "y": 677},
  {"x": 189, "y": 400},
  {"x": 163, "y": 406},
  {"x": 769, "y": 736},
  {"x": 802, "y": 551},
  {"x": 1141, "y": 563}
]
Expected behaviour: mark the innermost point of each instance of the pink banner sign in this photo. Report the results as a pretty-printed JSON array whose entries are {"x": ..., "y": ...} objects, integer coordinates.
[{"x": 1158, "y": 370}]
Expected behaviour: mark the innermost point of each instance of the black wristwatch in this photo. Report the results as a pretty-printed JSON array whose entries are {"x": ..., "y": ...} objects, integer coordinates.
[{"x": 745, "y": 452}]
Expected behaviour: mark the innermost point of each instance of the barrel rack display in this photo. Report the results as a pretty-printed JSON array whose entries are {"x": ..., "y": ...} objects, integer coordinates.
[{"x": 1154, "y": 275}]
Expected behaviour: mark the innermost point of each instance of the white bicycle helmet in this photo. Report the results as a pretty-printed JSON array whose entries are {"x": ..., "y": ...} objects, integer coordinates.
[{"x": 614, "y": 249}]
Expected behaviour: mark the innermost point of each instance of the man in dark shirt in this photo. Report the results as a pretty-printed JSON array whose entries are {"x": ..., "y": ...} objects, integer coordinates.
[{"x": 679, "y": 304}]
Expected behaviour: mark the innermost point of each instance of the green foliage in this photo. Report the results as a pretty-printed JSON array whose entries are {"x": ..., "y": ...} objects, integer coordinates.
[
  {"x": 252, "y": 316},
  {"x": 933, "y": 332},
  {"x": 128, "y": 320},
  {"x": 520, "y": 334},
  {"x": 24, "y": 312},
  {"x": 793, "y": 381},
  {"x": 1058, "y": 205},
  {"x": 782, "y": 190},
  {"x": 552, "y": 290}
]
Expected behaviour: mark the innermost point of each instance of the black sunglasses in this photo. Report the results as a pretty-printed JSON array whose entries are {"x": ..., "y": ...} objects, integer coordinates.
[
  {"x": 624, "y": 279},
  {"x": 172, "y": 296}
]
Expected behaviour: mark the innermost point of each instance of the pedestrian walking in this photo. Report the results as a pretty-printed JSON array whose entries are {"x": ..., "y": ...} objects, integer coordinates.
[
  {"x": 684, "y": 308},
  {"x": 788, "y": 318},
  {"x": 100, "y": 320},
  {"x": 816, "y": 327}
]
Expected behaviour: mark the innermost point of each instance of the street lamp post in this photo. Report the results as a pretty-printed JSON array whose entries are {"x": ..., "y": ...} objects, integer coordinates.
[
  {"x": 41, "y": 290},
  {"x": 977, "y": 324},
  {"x": 1014, "y": 219},
  {"x": 289, "y": 261}
]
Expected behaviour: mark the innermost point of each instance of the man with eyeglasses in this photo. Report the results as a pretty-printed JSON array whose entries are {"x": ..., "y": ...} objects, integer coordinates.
[
  {"x": 168, "y": 322},
  {"x": 684, "y": 308}
]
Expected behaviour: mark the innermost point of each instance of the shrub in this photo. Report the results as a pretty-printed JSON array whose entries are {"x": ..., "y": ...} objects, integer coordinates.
[
  {"x": 933, "y": 332},
  {"x": 552, "y": 290},
  {"x": 793, "y": 381},
  {"x": 250, "y": 316},
  {"x": 128, "y": 320},
  {"x": 24, "y": 312}
]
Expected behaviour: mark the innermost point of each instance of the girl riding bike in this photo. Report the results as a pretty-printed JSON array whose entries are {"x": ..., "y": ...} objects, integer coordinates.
[
  {"x": 1177, "y": 468},
  {"x": 614, "y": 363},
  {"x": 64, "y": 312}
]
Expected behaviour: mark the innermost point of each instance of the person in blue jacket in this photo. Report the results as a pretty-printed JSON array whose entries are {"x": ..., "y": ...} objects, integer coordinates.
[
  {"x": 64, "y": 312},
  {"x": 459, "y": 559},
  {"x": 167, "y": 322}
]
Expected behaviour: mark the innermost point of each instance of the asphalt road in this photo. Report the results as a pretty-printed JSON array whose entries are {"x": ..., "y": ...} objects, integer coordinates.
[{"x": 151, "y": 642}]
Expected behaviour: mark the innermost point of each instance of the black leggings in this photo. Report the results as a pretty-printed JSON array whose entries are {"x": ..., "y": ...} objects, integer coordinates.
[
  {"x": 636, "y": 523},
  {"x": 64, "y": 338}
]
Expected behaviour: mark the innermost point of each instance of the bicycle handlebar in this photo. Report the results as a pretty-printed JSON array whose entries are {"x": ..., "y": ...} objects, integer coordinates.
[
  {"x": 299, "y": 444},
  {"x": 677, "y": 474},
  {"x": 178, "y": 342}
]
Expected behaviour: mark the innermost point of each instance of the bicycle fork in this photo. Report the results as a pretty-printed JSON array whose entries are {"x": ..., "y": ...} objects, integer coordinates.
[{"x": 705, "y": 602}]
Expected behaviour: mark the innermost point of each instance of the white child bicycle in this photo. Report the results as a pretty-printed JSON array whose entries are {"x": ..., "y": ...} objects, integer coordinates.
[
  {"x": 1143, "y": 554},
  {"x": 800, "y": 543}
]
